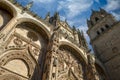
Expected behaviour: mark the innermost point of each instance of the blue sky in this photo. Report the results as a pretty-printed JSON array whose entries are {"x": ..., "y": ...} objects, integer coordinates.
[{"x": 75, "y": 11}]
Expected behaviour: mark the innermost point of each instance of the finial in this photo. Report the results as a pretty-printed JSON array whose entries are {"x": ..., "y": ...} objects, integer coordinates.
[
  {"x": 93, "y": 10},
  {"x": 65, "y": 20},
  {"x": 56, "y": 15},
  {"x": 74, "y": 29},
  {"x": 27, "y": 7},
  {"x": 102, "y": 10},
  {"x": 47, "y": 16}
]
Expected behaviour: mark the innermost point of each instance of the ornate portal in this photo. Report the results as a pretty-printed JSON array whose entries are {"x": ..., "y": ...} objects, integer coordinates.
[{"x": 32, "y": 48}]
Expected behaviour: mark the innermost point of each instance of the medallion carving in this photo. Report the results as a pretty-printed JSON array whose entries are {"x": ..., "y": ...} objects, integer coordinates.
[{"x": 18, "y": 41}]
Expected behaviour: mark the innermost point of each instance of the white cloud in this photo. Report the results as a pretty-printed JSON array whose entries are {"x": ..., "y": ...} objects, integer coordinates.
[
  {"x": 62, "y": 18},
  {"x": 44, "y": 1},
  {"x": 97, "y": 1},
  {"x": 112, "y": 5},
  {"x": 74, "y": 7},
  {"x": 117, "y": 15}
]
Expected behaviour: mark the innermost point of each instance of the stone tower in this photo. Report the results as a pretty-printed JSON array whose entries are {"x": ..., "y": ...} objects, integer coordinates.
[{"x": 104, "y": 35}]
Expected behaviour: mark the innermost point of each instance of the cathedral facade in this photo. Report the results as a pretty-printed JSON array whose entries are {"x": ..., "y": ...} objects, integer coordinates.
[{"x": 32, "y": 48}]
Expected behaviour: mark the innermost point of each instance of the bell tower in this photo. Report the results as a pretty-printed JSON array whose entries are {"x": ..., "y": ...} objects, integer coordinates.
[{"x": 104, "y": 30}]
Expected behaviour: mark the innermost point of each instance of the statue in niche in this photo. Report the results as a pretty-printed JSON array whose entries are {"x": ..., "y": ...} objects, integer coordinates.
[
  {"x": 55, "y": 33},
  {"x": 68, "y": 67}
]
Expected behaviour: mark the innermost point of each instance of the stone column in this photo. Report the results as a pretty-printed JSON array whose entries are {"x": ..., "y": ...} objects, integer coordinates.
[{"x": 52, "y": 61}]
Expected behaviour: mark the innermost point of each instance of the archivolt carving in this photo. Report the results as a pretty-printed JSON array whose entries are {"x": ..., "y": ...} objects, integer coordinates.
[
  {"x": 69, "y": 67},
  {"x": 34, "y": 51},
  {"x": 5, "y": 15},
  {"x": 9, "y": 77},
  {"x": 35, "y": 26},
  {"x": 4, "y": 19},
  {"x": 18, "y": 42},
  {"x": 18, "y": 55},
  {"x": 8, "y": 7}
]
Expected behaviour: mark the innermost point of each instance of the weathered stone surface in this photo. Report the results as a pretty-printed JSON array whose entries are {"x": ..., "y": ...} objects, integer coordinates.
[{"x": 34, "y": 49}]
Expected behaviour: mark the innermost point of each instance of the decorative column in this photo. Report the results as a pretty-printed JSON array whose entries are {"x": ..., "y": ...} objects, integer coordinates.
[{"x": 51, "y": 63}]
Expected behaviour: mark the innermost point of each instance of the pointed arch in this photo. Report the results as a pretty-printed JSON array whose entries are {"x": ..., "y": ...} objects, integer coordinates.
[
  {"x": 5, "y": 5},
  {"x": 18, "y": 55},
  {"x": 7, "y": 13},
  {"x": 39, "y": 26},
  {"x": 79, "y": 52}
]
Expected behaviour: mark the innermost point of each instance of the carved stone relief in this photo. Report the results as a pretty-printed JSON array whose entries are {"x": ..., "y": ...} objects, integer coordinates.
[
  {"x": 32, "y": 36},
  {"x": 69, "y": 68},
  {"x": 18, "y": 55},
  {"x": 9, "y": 77},
  {"x": 16, "y": 41}
]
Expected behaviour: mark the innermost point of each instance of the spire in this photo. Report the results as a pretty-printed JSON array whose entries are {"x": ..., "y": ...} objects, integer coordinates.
[
  {"x": 80, "y": 37},
  {"x": 74, "y": 29},
  {"x": 56, "y": 16},
  {"x": 29, "y": 5},
  {"x": 88, "y": 23},
  {"x": 92, "y": 10},
  {"x": 102, "y": 10},
  {"x": 66, "y": 20},
  {"x": 47, "y": 17},
  {"x": 84, "y": 42},
  {"x": 48, "y": 14}
]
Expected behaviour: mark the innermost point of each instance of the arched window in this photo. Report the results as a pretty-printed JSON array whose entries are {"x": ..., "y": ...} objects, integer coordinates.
[
  {"x": 91, "y": 23},
  {"x": 98, "y": 33},
  {"x": 107, "y": 26},
  {"x": 96, "y": 19},
  {"x": 102, "y": 29}
]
